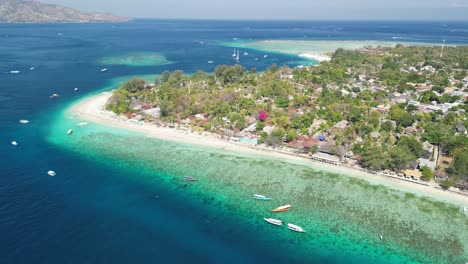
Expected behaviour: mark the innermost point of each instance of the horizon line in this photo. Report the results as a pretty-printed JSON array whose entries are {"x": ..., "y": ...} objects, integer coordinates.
[{"x": 296, "y": 20}]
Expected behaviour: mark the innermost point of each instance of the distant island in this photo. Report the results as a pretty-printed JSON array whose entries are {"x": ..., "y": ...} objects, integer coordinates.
[{"x": 25, "y": 11}]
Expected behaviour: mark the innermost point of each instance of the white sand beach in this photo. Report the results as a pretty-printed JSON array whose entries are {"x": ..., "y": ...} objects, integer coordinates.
[
  {"x": 91, "y": 109},
  {"x": 315, "y": 56}
]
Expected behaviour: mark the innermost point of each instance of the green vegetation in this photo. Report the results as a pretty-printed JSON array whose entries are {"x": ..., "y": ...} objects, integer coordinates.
[
  {"x": 380, "y": 103},
  {"x": 427, "y": 173}
]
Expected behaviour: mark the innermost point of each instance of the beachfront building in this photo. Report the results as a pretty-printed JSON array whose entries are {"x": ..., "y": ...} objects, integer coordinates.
[
  {"x": 428, "y": 163},
  {"x": 303, "y": 144},
  {"x": 413, "y": 174},
  {"x": 325, "y": 158},
  {"x": 327, "y": 153}
]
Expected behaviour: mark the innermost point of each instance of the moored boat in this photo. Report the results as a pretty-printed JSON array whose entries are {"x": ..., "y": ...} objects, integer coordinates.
[
  {"x": 54, "y": 96},
  {"x": 104, "y": 70},
  {"x": 14, "y": 143},
  {"x": 69, "y": 132},
  {"x": 261, "y": 197},
  {"x": 15, "y": 72},
  {"x": 296, "y": 228},
  {"x": 51, "y": 173},
  {"x": 273, "y": 221},
  {"x": 24, "y": 121},
  {"x": 189, "y": 178},
  {"x": 283, "y": 208}
]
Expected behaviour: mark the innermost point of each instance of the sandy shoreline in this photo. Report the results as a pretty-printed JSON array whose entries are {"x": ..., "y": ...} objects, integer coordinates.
[
  {"x": 91, "y": 109},
  {"x": 315, "y": 56}
]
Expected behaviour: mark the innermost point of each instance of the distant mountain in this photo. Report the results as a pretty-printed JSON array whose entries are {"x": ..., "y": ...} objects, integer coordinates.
[{"x": 31, "y": 11}]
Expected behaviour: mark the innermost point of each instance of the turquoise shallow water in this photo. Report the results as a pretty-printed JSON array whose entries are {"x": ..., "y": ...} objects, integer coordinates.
[
  {"x": 343, "y": 216},
  {"x": 136, "y": 59}
]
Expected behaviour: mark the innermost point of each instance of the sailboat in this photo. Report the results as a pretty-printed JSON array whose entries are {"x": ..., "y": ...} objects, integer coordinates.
[
  {"x": 234, "y": 54},
  {"x": 237, "y": 57}
]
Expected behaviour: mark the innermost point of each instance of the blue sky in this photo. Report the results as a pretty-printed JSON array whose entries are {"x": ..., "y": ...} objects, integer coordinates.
[{"x": 286, "y": 9}]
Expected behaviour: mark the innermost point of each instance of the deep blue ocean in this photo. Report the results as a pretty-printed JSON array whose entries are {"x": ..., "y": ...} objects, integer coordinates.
[{"x": 94, "y": 212}]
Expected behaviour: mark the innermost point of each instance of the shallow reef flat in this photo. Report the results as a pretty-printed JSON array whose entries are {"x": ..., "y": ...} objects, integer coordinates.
[
  {"x": 343, "y": 216},
  {"x": 136, "y": 59}
]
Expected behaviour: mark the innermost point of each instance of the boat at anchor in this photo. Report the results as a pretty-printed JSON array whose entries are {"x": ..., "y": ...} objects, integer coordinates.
[
  {"x": 296, "y": 228},
  {"x": 261, "y": 197},
  {"x": 273, "y": 221},
  {"x": 283, "y": 208},
  {"x": 190, "y": 178}
]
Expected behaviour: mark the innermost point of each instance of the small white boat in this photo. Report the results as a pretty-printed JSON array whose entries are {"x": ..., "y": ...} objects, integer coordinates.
[
  {"x": 273, "y": 221},
  {"x": 104, "y": 70},
  {"x": 83, "y": 124},
  {"x": 54, "y": 96},
  {"x": 210, "y": 62},
  {"x": 32, "y": 68},
  {"x": 381, "y": 237},
  {"x": 69, "y": 132},
  {"x": 246, "y": 53},
  {"x": 234, "y": 54},
  {"x": 265, "y": 56},
  {"x": 24, "y": 121},
  {"x": 296, "y": 228},
  {"x": 51, "y": 173},
  {"x": 76, "y": 89},
  {"x": 15, "y": 72},
  {"x": 261, "y": 197},
  {"x": 14, "y": 143}
]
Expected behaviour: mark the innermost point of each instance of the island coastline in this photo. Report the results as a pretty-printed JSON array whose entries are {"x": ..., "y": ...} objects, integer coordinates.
[{"x": 92, "y": 109}]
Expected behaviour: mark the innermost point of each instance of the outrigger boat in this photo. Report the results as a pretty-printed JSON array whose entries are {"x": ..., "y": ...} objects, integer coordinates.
[
  {"x": 283, "y": 208},
  {"x": 261, "y": 197},
  {"x": 189, "y": 178}
]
